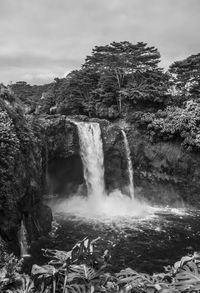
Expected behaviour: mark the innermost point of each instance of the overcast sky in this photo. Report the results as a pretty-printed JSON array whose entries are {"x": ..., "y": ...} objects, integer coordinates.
[{"x": 43, "y": 39}]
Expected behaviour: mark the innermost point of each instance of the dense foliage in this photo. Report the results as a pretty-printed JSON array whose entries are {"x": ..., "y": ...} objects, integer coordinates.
[
  {"x": 85, "y": 270},
  {"x": 20, "y": 161},
  {"x": 112, "y": 76},
  {"x": 176, "y": 123},
  {"x": 186, "y": 75},
  {"x": 123, "y": 80},
  {"x": 29, "y": 95}
]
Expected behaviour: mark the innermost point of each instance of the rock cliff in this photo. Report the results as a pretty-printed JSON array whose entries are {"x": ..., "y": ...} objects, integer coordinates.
[
  {"x": 20, "y": 174},
  {"x": 65, "y": 170},
  {"x": 164, "y": 172}
]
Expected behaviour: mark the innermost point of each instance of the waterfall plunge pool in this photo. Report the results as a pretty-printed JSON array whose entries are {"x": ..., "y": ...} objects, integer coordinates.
[
  {"x": 144, "y": 244},
  {"x": 138, "y": 236}
]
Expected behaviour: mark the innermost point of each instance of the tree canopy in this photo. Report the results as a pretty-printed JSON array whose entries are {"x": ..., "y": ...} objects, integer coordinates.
[
  {"x": 186, "y": 75},
  {"x": 122, "y": 79}
]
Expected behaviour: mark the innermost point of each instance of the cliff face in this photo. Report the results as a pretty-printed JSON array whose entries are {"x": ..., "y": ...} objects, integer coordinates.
[
  {"x": 42, "y": 155},
  {"x": 115, "y": 161},
  {"x": 65, "y": 169},
  {"x": 20, "y": 174},
  {"x": 163, "y": 172}
]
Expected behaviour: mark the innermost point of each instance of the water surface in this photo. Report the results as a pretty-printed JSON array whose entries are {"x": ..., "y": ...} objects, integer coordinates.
[{"x": 145, "y": 244}]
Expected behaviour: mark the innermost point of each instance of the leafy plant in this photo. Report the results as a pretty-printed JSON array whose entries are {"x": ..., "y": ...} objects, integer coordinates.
[{"x": 76, "y": 272}]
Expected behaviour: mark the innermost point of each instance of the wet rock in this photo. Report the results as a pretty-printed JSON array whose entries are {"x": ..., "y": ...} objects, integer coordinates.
[
  {"x": 62, "y": 136},
  {"x": 64, "y": 165},
  {"x": 164, "y": 172},
  {"x": 115, "y": 162},
  {"x": 63, "y": 151}
]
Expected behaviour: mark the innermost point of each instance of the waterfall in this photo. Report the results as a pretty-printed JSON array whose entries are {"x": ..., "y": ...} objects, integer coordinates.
[
  {"x": 91, "y": 151},
  {"x": 130, "y": 166},
  {"x": 23, "y": 241},
  {"x": 97, "y": 204}
]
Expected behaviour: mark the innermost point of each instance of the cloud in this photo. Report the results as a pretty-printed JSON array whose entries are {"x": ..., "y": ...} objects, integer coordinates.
[{"x": 42, "y": 39}]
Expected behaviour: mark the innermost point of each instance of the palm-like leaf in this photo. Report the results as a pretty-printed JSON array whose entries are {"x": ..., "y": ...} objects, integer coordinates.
[
  {"x": 45, "y": 271},
  {"x": 76, "y": 288},
  {"x": 187, "y": 277},
  {"x": 131, "y": 280},
  {"x": 80, "y": 251},
  {"x": 58, "y": 257},
  {"x": 129, "y": 275},
  {"x": 81, "y": 272},
  {"x": 27, "y": 285}
]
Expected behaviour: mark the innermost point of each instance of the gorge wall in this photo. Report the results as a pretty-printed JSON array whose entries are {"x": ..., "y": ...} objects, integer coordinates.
[
  {"x": 164, "y": 172},
  {"x": 65, "y": 170},
  {"x": 20, "y": 174}
]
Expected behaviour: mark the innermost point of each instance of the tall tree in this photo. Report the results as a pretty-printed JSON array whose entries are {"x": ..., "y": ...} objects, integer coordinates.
[
  {"x": 75, "y": 91},
  {"x": 186, "y": 75},
  {"x": 150, "y": 87},
  {"x": 122, "y": 59}
]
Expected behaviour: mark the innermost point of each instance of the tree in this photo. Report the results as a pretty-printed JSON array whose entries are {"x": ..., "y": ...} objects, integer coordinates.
[
  {"x": 121, "y": 59},
  {"x": 148, "y": 87},
  {"x": 76, "y": 90},
  {"x": 186, "y": 75}
]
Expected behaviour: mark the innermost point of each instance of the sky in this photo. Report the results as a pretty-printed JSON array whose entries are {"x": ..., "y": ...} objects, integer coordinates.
[{"x": 44, "y": 39}]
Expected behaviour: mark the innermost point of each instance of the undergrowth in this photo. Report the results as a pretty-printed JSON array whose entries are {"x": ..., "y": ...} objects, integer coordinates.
[{"x": 84, "y": 270}]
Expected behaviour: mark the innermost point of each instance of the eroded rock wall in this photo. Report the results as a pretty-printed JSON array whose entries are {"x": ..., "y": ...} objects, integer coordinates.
[
  {"x": 64, "y": 166},
  {"x": 63, "y": 151},
  {"x": 20, "y": 174},
  {"x": 164, "y": 172}
]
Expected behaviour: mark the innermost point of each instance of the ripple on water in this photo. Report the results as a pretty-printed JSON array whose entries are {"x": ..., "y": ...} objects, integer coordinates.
[{"x": 145, "y": 244}]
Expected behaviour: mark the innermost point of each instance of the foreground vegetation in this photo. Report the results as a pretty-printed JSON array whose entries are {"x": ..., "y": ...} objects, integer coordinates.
[{"x": 85, "y": 269}]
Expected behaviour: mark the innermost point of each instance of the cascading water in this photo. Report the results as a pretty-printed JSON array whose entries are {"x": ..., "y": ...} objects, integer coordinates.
[
  {"x": 91, "y": 151},
  {"x": 23, "y": 241},
  {"x": 129, "y": 163},
  {"x": 122, "y": 222},
  {"x": 98, "y": 203}
]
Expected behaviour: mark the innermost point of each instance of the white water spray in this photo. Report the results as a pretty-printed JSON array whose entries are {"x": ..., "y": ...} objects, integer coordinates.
[
  {"x": 98, "y": 204},
  {"x": 130, "y": 166},
  {"x": 91, "y": 151},
  {"x": 23, "y": 241}
]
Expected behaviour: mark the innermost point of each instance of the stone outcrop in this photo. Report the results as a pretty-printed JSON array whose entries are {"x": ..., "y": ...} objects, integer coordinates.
[
  {"x": 115, "y": 162},
  {"x": 64, "y": 171},
  {"x": 164, "y": 173}
]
